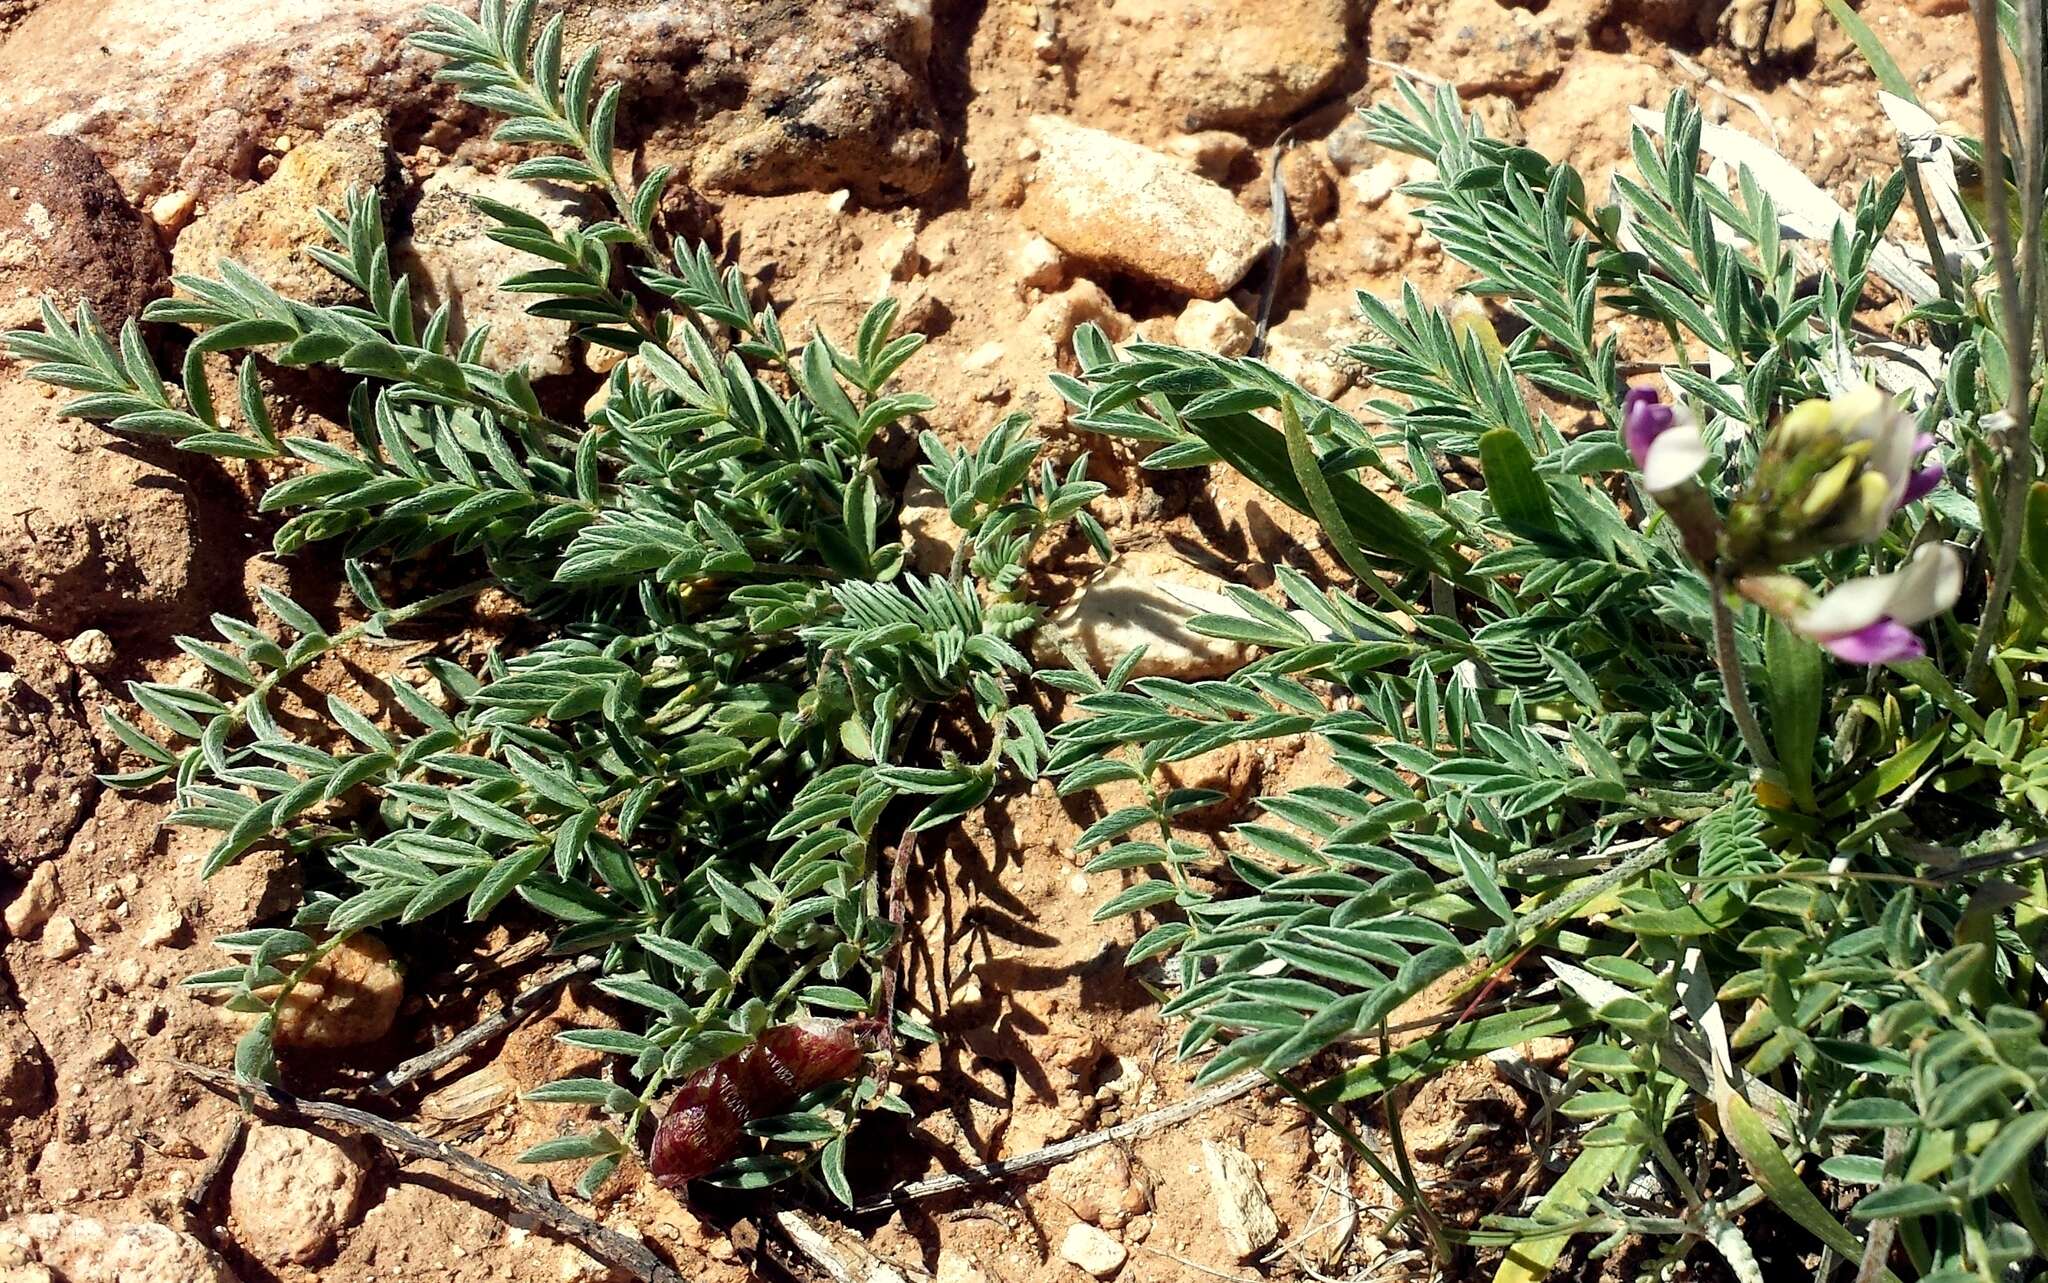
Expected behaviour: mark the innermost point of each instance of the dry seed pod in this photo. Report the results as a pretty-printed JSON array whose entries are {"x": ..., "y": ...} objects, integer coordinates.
[{"x": 710, "y": 1111}]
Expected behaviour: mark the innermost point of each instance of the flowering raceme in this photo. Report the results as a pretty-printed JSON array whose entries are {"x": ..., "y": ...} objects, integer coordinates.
[{"x": 1833, "y": 474}]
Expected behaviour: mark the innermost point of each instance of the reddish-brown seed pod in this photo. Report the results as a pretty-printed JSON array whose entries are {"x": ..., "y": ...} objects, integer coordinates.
[{"x": 710, "y": 1111}]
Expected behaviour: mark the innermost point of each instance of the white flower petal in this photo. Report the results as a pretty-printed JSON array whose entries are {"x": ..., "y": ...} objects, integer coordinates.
[
  {"x": 1859, "y": 412},
  {"x": 1674, "y": 458},
  {"x": 1892, "y": 455},
  {"x": 1928, "y": 585},
  {"x": 1848, "y": 607}
]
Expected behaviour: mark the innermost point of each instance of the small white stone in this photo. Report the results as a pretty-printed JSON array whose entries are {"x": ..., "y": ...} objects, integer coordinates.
[
  {"x": 1040, "y": 265},
  {"x": 1146, "y": 599},
  {"x": 1242, "y": 1210},
  {"x": 161, "y": 930},
  {"x": 1376, "y": 182},
  {"x": 898, "y": 255},
  {"x": 955, "y": 1267},
  {"x": 1092, "y": 1250}
]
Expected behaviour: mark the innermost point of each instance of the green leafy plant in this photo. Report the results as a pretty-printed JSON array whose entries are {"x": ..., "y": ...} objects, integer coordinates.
[
  {"x": 691, "y": 766},
  {"x": 1608, "y": 761}
]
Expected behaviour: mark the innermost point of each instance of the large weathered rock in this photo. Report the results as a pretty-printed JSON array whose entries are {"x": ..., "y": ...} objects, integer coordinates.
[
  {"x": 451, "y": 259},
  {"x": 767, "y": 95},
  {"x": 293, "y": 1192},
  {"x": 66, "y": 231},
  {"x": 1124, "y": 205},
  {"x": 79, "y": 1249},
  {"x": 1229, "y": 62},
  {"x": 1486, "y": 47},
  {"x": 13, "y": 11},
  {"x": 772, "y": 96},
  {"x": 267, "y": 228},
  {"x": 88, "y": 535}
]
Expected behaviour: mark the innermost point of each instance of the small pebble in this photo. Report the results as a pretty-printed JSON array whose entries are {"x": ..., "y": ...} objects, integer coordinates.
[
  {"x": 61, "y": 939},
  {"x": 1092, "y": 1250}
]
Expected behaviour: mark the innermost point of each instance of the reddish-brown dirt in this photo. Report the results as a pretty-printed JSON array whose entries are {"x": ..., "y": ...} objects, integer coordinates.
[{"x": 1045, "y": 1035}]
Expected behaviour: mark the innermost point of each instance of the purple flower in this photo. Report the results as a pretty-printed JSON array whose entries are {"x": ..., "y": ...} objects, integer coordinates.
[
  {"x": 1870, "y": 621},
  {"x": 1664, "y": 440},
  {"x": 1923, "y": 479}
]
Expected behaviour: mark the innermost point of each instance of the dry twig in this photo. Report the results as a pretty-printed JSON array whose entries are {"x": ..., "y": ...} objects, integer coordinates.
[
  {"x": 605, "y": 1244},
  {"x": 1135, "y": 1129},
  {"x": 523, "y": 1004},
  {"x": 832, "y": 1256},
  {"x": 223, "y": 1157},
  {"x": 1276, "y": 251}
]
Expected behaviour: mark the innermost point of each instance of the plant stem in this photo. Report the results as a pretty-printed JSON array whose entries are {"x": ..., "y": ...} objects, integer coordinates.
[
  {"x": 1729, "y": 661},
  {"x": 2015, "y": 443}
]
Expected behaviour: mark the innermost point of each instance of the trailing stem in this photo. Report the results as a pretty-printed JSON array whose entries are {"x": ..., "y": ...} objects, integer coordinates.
[{"x": 2014, "y": 443}]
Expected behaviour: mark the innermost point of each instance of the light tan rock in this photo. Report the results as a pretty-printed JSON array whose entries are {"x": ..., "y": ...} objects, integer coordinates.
[
  {"x": 91, "y": 650},
  {"x": 1039, "y": 264},
  {"x": 754, "y": 97},
  {"x": 172, "y": 210},
  {"x": 267, "y": 228},
  {"x": 929, "y": 535},
  {"x": 24, "y": 1067},
  {"x": 161, "y": 930},
  {"x": 1146, "y": 599},
  {"x": 1214, "y": 325},
  {"x": 1100, "y": 1187},
  {"x": 1092, "y": 1250},
  {"x": 32, "y": 906},
  {"x": 957, "y": 1267},
  {"x": 61, "y": 939},
  {"x": 80, "y": 1249},
  {"x": 1242, "y": 1210},
  {"x": 292, "y": 1193},
  {"x": 452, "y": 259},
  {"x": 1051, "y": 324},
  {"x": 351, "y": 997},
  {"x": 1233, "y": 62},
  {"x": 261, "y": 885},
  {"x": 1121, "y": 204},
  {"x": 1213, "y": 152}
]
